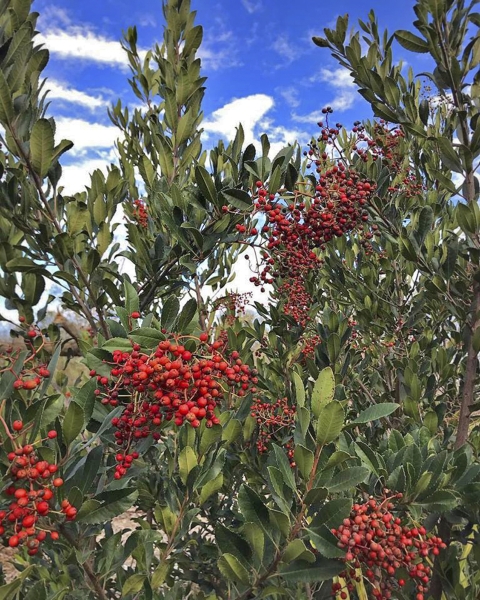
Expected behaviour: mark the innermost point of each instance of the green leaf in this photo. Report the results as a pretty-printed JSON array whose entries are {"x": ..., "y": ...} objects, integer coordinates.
[
  {"x": 205, "y": 183},
  {"x": 7, "y": 112},
  {"x": 325, "y": 542},
  {"x": 294, "y": 549},
  {"x": 133, "y": 584},
  {"x": 440, "y": 501},
  {"x": 252, "y": 507},
  {"x": 228, "y": 540},
  {"x": 106, "y": 506},
  {"x": 320, "y": 42},
  {"x": 73, "y": 423},
  {"x": 411, "y": 42},
  {"x": 330, "y": 423},
  {"x": 186, "y": 315},
  {"x": 378, "y": 411},
  {"x": 323, "y": 390},
  {"x": 210, "y": 488},
  {"x": 347, "y": 479},
  {"x": 254, "y": 535},
  {"x": 8, "y": 591},
  {"x": 147, "y": 337},
  {"x": 304, "y": 459},
  {"x": 425, "y": 222},
  {"x": 332, "y": 513},
  {"x": 170, "y": 311},
  {"x": 131, "y": 298},
  {"x": 41, "y": 146},
  {"x": 237, "y": 198},
  {"x": 232, "y": 569},
  {"x": 448, "y": 155},
  {"x": 299, "y": 389},
  {"x": 304, "y": 572},
  {"x": 284, "y": 466},
  {"x": 187, "y": 460}
]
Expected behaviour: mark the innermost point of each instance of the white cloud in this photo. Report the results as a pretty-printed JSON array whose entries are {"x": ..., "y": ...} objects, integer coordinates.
[
  {"x": 64, "y": 93},
  {"x": 346, "y": 92},
  {"x": 83, "y": 44},
  {"x": 77, "y": 175},
  {"x": 251, "y": 6},
  {"x": 248, "y": 111},
  {"x": 290, "y": 95},
  {"x": 288, "y": 50},
  {"x": 251, "y": 112},
  {"x": 86, "y": 135},
  {"x": 220, "y": 50}
]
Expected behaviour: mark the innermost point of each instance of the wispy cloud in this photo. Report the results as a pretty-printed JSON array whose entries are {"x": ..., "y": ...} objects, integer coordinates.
[
  {"x": 252, "y": 6},
  {"x": 346, "y": 92},
  {"x": 69, "y": 40},
  {"x": 64, "y": 93},
  {"x": 290, "y": 95},
  {"x": 290, "y": 51}
]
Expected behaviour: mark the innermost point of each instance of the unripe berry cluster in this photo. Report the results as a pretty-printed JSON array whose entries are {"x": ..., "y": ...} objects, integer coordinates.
[
  {"x": 25, "y": 520},
  {"x": 384, "y": 548},
  {"x": 170, "y": 383},
  {"x": 275, "y": 421}
]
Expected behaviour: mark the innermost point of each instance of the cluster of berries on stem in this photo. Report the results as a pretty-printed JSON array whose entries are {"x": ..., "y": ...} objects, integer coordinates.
[
  {"x": 275, "y": 421},
  {"x": 140, "y": 213},
  {"x": 183, "y": 380},
  {"x": 27, "y": 518},
  {"x": 386, "y": 549}
]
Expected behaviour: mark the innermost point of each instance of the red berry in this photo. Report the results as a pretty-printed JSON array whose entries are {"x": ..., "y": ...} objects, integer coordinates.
[
  {"x": 135, "y": 315},
  {"x": 17, "y": 425},
  {"x": 52, "y": 434},
  {"x": 57, "y": 482}
]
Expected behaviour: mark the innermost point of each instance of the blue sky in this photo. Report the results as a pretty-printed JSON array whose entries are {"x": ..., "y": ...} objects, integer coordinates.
[{"x": 261, "y": 65}]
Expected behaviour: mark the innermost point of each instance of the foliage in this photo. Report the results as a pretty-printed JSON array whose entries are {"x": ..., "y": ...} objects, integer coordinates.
[{"x": 248, "y": 454}]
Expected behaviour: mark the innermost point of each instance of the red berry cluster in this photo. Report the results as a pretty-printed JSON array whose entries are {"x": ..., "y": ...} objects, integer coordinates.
[
  {"x": 235, "y": 304},
  {"x": 24, "y": 520},
  {"x": 140, "y": 213},
  {"x": 274, "y": 420},
  {"x": 309, "y": 344},
  {"x": 34, "y": 371},
  {"x": 171, "y": 383},
  {"x": 386, "y": 143},
  {"x": 382, "y": 546}
]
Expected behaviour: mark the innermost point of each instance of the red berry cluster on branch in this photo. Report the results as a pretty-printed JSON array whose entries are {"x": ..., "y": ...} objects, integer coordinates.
[
  {"x": 140, "y": 213},
  {"x": 234, "y": 304},
  {"x": 383, "y": 547},
  {"x": 170, "y": 383},
  {"x": 274, "y": 421},
  {"x": 25, "y": 521}
]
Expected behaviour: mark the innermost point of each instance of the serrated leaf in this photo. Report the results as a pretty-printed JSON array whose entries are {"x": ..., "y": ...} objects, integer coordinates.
[
  {"x": 205, "y": 183},
  {"x": 304, "y": 459},
  {"x": 347, "y": 479},
  {"x": 330, "y": 423},
  {"x": 169, "y": 311},
  {"x": 187, "y": 460},
  {"x": 41, "y": 146},
  {"x": 73, "y": 423},
  {"x": 133, "y": 584},
  {"x": 332, "y": 513},
  {"x": 233, "y": 569},
  {"x": 323, "y": 390},
  {"x": 303, "y": 572},
  {"x": 186, "y": 315},
  {"x": 378, "y": 411},
  {"x": 411, "y": 42},
  {"x": 299, "y": 389}
]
